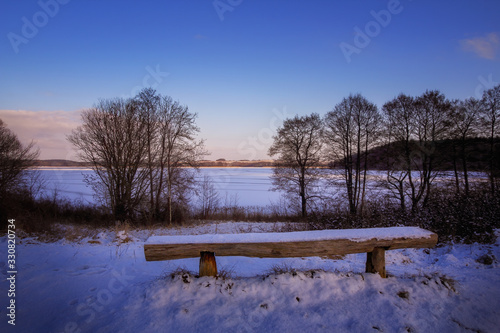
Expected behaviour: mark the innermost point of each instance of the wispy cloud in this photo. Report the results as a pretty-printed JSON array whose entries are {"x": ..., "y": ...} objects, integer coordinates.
[
  {"x": 48, "y": 129},
  {"x": 485, "y": 47}
]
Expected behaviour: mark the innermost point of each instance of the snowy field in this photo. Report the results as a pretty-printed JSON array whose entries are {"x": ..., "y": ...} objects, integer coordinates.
[{"x": 98, "y": 281}]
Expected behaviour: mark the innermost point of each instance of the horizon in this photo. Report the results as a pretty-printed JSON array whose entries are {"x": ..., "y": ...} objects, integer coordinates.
[{"x": 242, "y": 66}]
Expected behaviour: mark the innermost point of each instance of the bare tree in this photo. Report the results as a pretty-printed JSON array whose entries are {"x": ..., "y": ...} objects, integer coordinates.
[
  {"x": 432, "y": 109},
  {"x": 148, "y": 102},
  {"x": 414, "y": 126},
  {"x": 15, "y": 159},
  {"x": 400, "y": 128},
  {"x": 172, "y": 146},
  {"x": 113, "y": 140},
  {"x": 177, "y": 149},
  {"x": 352, "y": 128},
  {"x": 140, "y": 149},
  {"x": 491, "y": 120},
  {"x": 463, "y": 125},
  {"x": 209, "y": 198},
  {"x": 298, "y": 144}
]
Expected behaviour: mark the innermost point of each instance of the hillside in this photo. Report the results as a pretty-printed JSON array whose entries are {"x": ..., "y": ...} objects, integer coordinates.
[{"x": 477, "y": 151}]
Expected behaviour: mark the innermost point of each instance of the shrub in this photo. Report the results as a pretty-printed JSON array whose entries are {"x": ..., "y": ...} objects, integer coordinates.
[
  {"x": 454, "y": 217},
  {"x": 469, "y": 219}
]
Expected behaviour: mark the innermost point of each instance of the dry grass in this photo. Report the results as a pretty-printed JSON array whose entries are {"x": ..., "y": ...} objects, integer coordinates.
[
  {"x": 282, "y": 269},
  {"x": 122, "y": 232},
  {"x": 179, "y": 273},
  {"x": 226, "y": 273}
]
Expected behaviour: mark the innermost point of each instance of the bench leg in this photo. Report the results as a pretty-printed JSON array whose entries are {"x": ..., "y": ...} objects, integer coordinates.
[
  {"x": 208, "y": 265},
  {"x": 375, "y": 261}
]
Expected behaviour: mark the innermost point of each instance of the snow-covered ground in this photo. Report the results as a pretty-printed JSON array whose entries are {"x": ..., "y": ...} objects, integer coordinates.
[{"x": 98, "y": 281}]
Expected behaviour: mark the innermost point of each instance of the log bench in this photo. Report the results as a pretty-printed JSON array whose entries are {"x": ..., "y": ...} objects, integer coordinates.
[{"x": 320, "y": 243}]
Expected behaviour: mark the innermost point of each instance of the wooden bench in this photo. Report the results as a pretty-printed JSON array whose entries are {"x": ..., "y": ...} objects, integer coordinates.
[{"x": 321, "y": 243}]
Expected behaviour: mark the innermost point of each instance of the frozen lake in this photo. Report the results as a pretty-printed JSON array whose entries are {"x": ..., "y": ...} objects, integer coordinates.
[
  {"x": 248, "y": 186},
  {"x": 251, "y": 186}
]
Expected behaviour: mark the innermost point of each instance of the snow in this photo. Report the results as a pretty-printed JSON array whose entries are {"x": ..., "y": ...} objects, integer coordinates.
[
  {"x": 240, "y": 186},
  {"x": 355, "y": 235},
  {"x": 100, "y": 282}
]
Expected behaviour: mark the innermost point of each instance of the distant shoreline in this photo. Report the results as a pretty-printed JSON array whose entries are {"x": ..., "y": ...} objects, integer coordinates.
[{"x": 201, "y": 164}]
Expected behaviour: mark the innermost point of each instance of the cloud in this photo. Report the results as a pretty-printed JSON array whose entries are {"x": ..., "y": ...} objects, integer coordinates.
[
  {"x": 48, "y": 129},
  {"x": 485, "y": 47}
]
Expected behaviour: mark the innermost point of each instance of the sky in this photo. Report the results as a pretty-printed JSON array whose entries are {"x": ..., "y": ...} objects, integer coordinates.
[{"x": 242, "y": 66}]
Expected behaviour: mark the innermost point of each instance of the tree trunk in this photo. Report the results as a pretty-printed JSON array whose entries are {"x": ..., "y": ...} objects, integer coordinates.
[
  {"x": 349, "y": 184},
  {"x": 492, "y": 149},
  {"x": 169, "y": 190},
  {"x": 455, "y": 169},
  {"x": 464, "y": 166},
  {"x": 303, "y": 193},
  {"x": 152, "y": 210},
  {"x": 365, "y": 169},
  {"x": 357, "y": 177},
  {"x": 402, "y": 195}
]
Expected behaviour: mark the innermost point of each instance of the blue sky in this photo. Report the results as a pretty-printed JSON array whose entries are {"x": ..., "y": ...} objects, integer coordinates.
[{"x": 241, "y": 65}]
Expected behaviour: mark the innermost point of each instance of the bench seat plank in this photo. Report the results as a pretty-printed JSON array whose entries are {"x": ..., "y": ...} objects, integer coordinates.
[{"x": 322, "y": 243}]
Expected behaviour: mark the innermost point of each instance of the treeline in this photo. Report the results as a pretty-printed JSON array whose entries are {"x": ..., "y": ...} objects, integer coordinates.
[
  {"x": 220, "y": 163},
  {"x": 412, "y": 132},
  {"x": 59, "y": 163}
]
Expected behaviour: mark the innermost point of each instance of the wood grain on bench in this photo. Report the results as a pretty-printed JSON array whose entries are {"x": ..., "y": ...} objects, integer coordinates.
[{"x": 322, "y": 243}]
